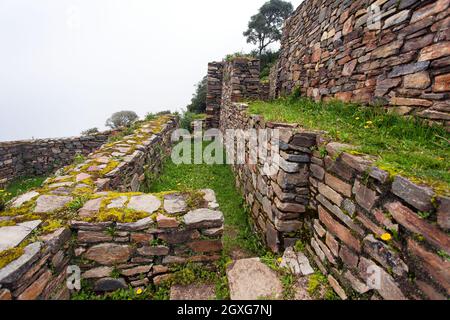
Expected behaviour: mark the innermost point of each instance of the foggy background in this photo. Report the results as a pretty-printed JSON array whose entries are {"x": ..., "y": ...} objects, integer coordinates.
[{"x": 67, "y": 65}]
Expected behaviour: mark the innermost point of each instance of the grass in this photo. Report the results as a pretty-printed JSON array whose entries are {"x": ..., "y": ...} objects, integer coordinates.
[
  {"x": 402, "y": 145},
  {"x": 238, "y": 233},
  {"x": 23, "y": 185}
]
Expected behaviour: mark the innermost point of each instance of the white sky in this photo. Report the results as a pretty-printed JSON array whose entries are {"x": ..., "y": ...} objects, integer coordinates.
[{"x": 67, "y": 65}]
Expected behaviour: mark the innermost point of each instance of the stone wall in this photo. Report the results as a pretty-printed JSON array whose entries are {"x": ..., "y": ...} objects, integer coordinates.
[
  {"x": 43, "y": 156},
  {"x": 398, "y": 56},
  {"x": 278, "y": 202},
  {"x": 214, "y": 94},
  {"x": 116, "y": 238}
]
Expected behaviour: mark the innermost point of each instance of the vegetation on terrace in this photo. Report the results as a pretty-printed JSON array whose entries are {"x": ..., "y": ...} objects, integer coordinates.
[{"x": 402, "y": 146}]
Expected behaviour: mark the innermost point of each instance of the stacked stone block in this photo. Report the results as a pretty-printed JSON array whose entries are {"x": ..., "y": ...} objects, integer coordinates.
[
  {"x": 43, "y": 156},
  {"x": 394, "y": 53},
  {"x": 214, "y": 94}
]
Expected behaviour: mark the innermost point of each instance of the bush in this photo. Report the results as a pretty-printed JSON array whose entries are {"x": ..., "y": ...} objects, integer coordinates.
[
  {"x": 4, "y": 198},
  {"x": 121, "y": 119},
  {"x": 90, "y": 132}
]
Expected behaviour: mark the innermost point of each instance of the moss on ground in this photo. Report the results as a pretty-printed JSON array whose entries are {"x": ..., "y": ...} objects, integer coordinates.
[{"x": 402, "y": 146}]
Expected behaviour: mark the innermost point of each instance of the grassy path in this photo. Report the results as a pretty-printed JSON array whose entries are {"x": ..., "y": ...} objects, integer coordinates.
[{"x": 239, "y": 240}]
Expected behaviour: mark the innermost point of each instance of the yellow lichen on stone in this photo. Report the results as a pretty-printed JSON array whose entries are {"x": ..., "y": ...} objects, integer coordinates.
[{"x": 9, "y": 255}]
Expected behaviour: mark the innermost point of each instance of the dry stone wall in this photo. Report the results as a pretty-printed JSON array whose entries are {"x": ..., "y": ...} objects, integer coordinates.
[
  {"x": 390, "y": 52},
  {"x": 86, "y": 216},
  {"x": 355, "y": 220},
  {"x": 43, "y": 156}
]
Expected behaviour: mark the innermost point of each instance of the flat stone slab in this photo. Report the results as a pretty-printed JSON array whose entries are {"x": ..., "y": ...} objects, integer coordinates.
[
  {"x": 250, "y": 279},
  {"x": 117, "y": 203},
  {"x": 82, "y": 176},
  {"x": 174, "y": 204},
  {"x": 12, "y": 236},
  {"x": 145, "y": 203},
  {"x": 192, "y": 292},
  {"x": 90, "y": 207},
  {"x": 13, "y": 271},
  {"x": 24, "y": 198},
  {"x": 203, "y": 218},
  {"x": 50, "y": 203},
  {"x": 296, "y": 262}
]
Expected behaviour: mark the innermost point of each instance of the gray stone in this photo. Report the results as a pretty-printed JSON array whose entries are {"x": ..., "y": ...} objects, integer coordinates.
[
  {"x": 409, "y": 68},
  {"x": 13, "y": 271},
  {"x": 46, "y": 203},
  {"x": 417, "y": 196},
  {"x": 197, "y": 292},
  {"x": 110, "y": 285},
  {"x": 210, "y": 195},
  {"x": 20, "y": 200},
  {"x": 136, "y": 226},
  {"x": 296, "y": 262},
  {"x": 117, "y": 202},
  {"x": 12, "y": 236},
  {"x": 203, "y": 218},
  {"x": 214, "y": 232},
  {"x": 250, "y": 279},
  {"x": 174, "y": 204},
  {"x": 96, "y": 273},
  {"x": 90, "y": 207},
  {"x": 356, "y": 284},
  {"x": 145, "y": 203}
]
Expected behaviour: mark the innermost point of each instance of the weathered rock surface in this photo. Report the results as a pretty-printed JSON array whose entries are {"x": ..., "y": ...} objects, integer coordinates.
[
  {"x": 12, "y": 236},
  {"x": 145, "y": 203},
  {"x": 203, "y": 218},
  {"x": 47, "y": 203},
  {"x": 250, "y": 279},
  {"x": 192, "y": 292}
]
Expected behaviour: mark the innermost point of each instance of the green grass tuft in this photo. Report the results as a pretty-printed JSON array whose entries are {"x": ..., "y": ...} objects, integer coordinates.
[{"x": 402, "y": 146}]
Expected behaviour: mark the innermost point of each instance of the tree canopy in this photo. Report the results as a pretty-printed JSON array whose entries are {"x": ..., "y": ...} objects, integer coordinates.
[
  {"x": 121, "y": 119},
  {"x": 198, "y": 101},
  {"x": 265, "y": 27}
]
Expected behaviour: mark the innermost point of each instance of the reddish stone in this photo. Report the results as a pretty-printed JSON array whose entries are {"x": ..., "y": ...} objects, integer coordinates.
[
  {"x": 442, "y": 83},
  {"x": 166, "y": 222},
  {"x": 317, "y": 51},
  {"x": 348, "y": 26},
  {"x": 338, "y": 185},
  {"x": 436, "y": 267},
  {"x": 433, "y": 8},
  {"x": 349, "y": 68},
  {"x": 387, "y": 50},
  {"x": 38, "y": 286},
  {"x": 429, "y": 291},
  {"x": 93, "y": 237},
  {"x": 348, "y": 257},
  {"x": 332, "y": 244},
  {"x": 344, "y": 96},
  {"x": 330, "y": 194},
  {"x": 415, "y": 224},
  {"x": 435, "y": 51},
  {"x": 418, "y": 43},
  {"x": 397, "y": 101},
  {"x": 206, "y": 246},
  {"x": 364, "y": 196},
  {"x": 339, "y": 230},
  {"x": 5, "y": 294},
  {"x": 141, "y": 238},
  {"x": 153, "y": 251},
  {"x": 443, "y": 212},
  {"x": 109, "y": 254},
  {"x": 420, "y": 80}
]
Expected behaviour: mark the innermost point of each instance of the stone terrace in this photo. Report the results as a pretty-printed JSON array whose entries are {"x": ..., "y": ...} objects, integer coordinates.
[{"x": 75, "y": 218}]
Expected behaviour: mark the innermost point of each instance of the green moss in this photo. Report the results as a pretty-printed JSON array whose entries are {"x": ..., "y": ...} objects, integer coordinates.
[
  {"x": 9, "y": 255},
  {"x": 50, "y": 226},
  {"x": 316, "y": 283}
]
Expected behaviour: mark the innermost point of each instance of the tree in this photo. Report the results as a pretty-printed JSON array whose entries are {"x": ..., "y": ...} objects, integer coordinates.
[
  {"x": 121, "y": 119},
  {"x": 198, "y": 101},
  {"x": 265, "y": 27},
  {"x": 90, "y": 132}
]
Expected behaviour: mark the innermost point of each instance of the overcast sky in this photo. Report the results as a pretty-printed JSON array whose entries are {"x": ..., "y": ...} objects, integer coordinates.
[{"x": 67, "y": 65}]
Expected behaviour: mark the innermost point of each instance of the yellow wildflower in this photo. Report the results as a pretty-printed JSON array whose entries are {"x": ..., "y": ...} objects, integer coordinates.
[
  {"x": 139, "y": 291},
  {"x": 369, "y": 122},
  {"x": 280, "y": 260},
  {"x": 357, "y": 118},
  {"x": 386, "y": 237},
  {"x": 366, "y": 127}
]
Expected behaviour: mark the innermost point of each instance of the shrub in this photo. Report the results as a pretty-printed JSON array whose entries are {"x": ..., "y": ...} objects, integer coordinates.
[
  {"x": 90, "y": 132},
  {"x": 121, "y": 119}
]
